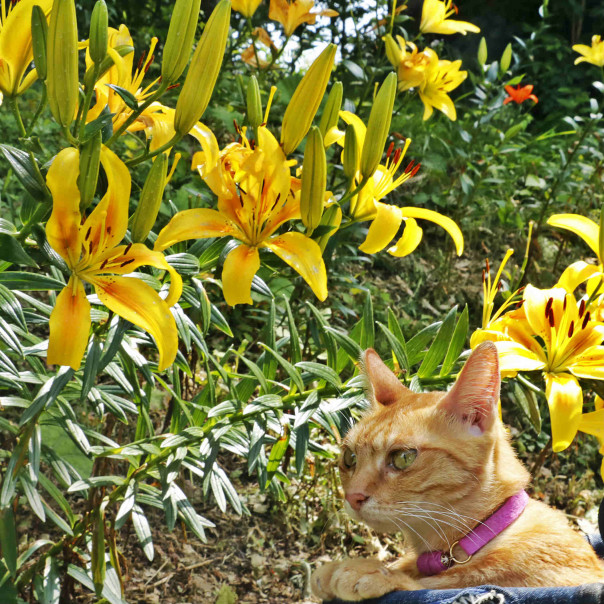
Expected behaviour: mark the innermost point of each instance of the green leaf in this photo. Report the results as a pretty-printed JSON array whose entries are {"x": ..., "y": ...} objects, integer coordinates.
[
  {"x": 143, "y": 531},
  {"x": 276, "y": 455},
  {"x": 8, "y": 539},
  {"x": 291, "y": 371},
  {"x": 268, "y": 362},
  {"x": 368, "y": 331},
  {"x": 26, "y": 172},
  {"x": 396, "y": 347},
  {"x": 321, "y": 371},
  {"x": 91, "y": 367},
  {"x": 11, "y": 307},
  {"x": 295, "y": 352},
  {"x": 438, "y": 349},
  {"x": 457, "y": 343},
  {"x": 527, "y": 401},
  {"x": 302, "y": 439},
  {"x": 12, "y": 251},
  {"x": 353, "y": 350},
  {"x": 264, "y": 387},
  {"x": 416, "y": 345},
  {"x": 29, "y": 281},
  {"x": 97, "y": 554},
  {"x": 104, "y": 121},
  {"x": 327, "y": 339},
  {"x": 125, "y": 95},
  {"x": 47, "y": 394}
]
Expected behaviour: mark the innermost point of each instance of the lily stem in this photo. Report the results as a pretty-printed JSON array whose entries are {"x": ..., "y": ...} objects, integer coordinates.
[{"x": 145, "y": 156}]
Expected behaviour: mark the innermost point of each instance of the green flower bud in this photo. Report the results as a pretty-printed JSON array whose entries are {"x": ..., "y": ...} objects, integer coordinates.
[
  {"x": 394, "y": 52},
  {"x": 304, "y": 103},
  {"x": 147, "y": 210},
  {"x": 90, "y": 157},
  {"x": 331, "y": 112},
  {"x": 39, "y": 36},
  {"x": 331, "y": 219},
  {"x": 254, "y": 103},
  {"x": 506, "y": 58},
  {"x": 62, "y": 59},
  {"x": 204, "y": 69},
  {"x": 99, "y": 32},
  {"x": 314, "y": 181},
  {"x": 351, "y": 155},
  {"x": 482, "y": 52},
  {"x": 179, "y": 42},
  {"x": 378, "y": 126}
]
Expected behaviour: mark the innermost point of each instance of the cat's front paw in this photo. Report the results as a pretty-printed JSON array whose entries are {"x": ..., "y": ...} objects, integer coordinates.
[{"x": 355, "y": 579}]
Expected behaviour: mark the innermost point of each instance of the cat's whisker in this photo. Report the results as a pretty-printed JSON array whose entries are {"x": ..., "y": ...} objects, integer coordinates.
[
  {"x": 451, "y": 515},
  {"x": 436, "y": 526},
  {"x": 439, "y": 522},
  {"x": 397, "y": 520}
]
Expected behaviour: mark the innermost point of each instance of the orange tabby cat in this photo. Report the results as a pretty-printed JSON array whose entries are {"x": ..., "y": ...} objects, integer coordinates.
[{"x": 435, "y": 466}]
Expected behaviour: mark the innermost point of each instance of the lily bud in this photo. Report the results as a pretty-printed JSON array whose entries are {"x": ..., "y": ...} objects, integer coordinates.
[
  {"x": 314, "y": 181},
  {"x": 62, "y": 58},
  {"x": 331, "y": 219},
  {"x": 254, "y": 103},
  {"x": 90, "y": 157},
  {"x": 39, "y": 36},
  {"x": 351, "y": 155},
  {"x": 304, "y": 103},
  {"x": 506, "y": 58},
  {"x": 179, "y": 42},
  {"x": 378, "y": 126},
  {"x": 482, "y": 52},
  {"x": 203, "y": 70},
  {"x": 147, "y": 210},
  {"x": 394, "y": 52},
  {"x": 99, "y": 32},
  {"x": 331, "y": 113}
]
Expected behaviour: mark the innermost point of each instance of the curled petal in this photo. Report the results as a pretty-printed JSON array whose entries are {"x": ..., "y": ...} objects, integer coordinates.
[
  {"x": 587, "y": 229},
  {"x": 442, "y": 221},
  {"x": 565, "y": 400},
  {"x": 304, "y": 256},
  {"x": 140, "y": 304},
  {"x": 125, "y": 259},
  {"x": 240, "y": 266},
  {"x": 590, "y": 364},
  {"x": 410, "y": 239},
  {"x": 201, "y": 223},
  {"x": 63, "y": 226},
  {"x": 515, "y": 357},
  {"x": 69, "y": 326},
  {"x": 575, "y": 274},
  {"x": 384, "y": 227}
]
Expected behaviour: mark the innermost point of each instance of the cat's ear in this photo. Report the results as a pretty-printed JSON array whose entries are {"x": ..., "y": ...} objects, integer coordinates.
[
  {"x": 473, "y": 398},
  {"x": 382, "y": 385}
]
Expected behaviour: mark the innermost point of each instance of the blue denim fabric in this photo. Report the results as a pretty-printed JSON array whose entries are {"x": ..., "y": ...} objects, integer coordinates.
[{"x": 583, "y": 594}]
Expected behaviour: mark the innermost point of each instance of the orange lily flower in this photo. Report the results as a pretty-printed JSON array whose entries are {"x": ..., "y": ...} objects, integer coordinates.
[
  {"x": 520, "y": 94},
  {"x": 92, "y": 251},
  {"x": 292, "y": 14}
]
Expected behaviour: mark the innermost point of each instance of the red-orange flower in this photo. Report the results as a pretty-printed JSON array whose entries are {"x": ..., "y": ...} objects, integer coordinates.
[{"x": 520, "y": 94}]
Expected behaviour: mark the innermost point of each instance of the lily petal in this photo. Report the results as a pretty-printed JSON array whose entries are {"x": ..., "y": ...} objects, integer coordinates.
[
  {"x": 140, "y": 304},
  {"x": 69, "y": 326},
  {"x": 384, "y": 227},
  {"x": 442, "y": 221},
  {"x": 240, "y": 266},
  {"x": 587, "y": 229},
  {"x": 412, "y": 235},
  {"x": 575, "y": 274},
  {"x": 199, "y": 223},
  {"x": 591, "y": 363},
  {"x": 565, "y": 400},
  {"x": 514, "y": 357},
  {"x": 304, "y": 256},
  {"x": 63, "y": 226}
]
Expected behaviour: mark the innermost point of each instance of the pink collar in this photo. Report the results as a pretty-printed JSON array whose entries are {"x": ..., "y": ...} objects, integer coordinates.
[{"x": 433, "y": 563}]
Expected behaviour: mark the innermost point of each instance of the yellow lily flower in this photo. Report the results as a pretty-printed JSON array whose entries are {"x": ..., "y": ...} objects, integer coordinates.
[
  {"x": 256, "y": 195},
  {"x": 593, "y": 54},
  {"x": 246, "y": 7},
  {"x": 435, "y": 19},
  {"x": 557, "y": 336},
  {"x": 440, "y": 78},
  {"x": 157, "y": 120},
  {"x": 292, "y": 14},
  {"x": 16, "y": 45},
  {"x": 593, "y": 423},
  {"x": 410, "y": 66},
  {"x": 91, "y": 250},
  {"x": 387, "y": 219},
  {"x": 580, "y": 271}
]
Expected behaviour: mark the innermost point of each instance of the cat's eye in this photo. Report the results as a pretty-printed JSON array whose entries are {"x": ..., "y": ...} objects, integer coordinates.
[
  {"x": 349, "y": 459},
  {"x": 402, "y": 459}
]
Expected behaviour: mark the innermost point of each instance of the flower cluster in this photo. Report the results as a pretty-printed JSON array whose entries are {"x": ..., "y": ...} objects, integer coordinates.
[{"x": 555, "y": 333}]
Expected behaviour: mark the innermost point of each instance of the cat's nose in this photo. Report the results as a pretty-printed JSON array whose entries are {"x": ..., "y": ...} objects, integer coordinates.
[{"x": 356, "y": 500}]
